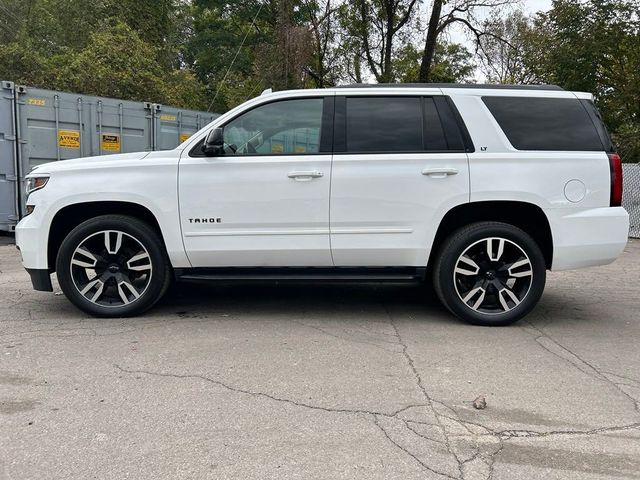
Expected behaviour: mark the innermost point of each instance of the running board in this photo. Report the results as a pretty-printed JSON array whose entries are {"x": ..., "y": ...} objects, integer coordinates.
[{"x": 302, "y": 274}]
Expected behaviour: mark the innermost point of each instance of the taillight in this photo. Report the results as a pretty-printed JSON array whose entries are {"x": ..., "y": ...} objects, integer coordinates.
[{"x": 615, "y": 164}]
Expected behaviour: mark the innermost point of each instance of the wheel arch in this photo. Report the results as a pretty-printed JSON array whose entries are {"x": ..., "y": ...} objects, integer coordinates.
[
  {"x": 526, "y": 216},
  {"x": 70, "y": 216}
]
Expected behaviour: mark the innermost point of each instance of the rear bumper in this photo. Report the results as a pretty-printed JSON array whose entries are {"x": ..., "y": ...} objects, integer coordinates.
[
  {"x": 586, "y": 238},
  {"x": 40, "y": 279}
]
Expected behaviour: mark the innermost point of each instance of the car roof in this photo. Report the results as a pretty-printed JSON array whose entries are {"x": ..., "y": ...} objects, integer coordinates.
[
  {"x": 485, "y": 86},
  {"x": 474, "y": 89}
]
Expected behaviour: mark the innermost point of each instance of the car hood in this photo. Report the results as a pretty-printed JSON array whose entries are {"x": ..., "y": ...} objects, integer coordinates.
[{"x": 89, "y": 162}]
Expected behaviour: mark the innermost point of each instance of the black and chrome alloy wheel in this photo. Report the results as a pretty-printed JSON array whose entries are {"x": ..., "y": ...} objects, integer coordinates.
[
  {"x": 113, "y": 266},
  {"x": 493, "y": 275},
  {"x": 489, "y": 273}
]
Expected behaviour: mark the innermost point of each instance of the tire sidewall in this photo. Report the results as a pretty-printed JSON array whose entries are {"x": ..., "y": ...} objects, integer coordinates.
[
  {"x": 458, "y": 243},
  {"x": 138, "y": 230}
]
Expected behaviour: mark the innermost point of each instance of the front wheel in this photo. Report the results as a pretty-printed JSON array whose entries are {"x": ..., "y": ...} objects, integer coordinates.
[
  {"x": 113, "y": 266},
  {"x": 490, "y": 273}
]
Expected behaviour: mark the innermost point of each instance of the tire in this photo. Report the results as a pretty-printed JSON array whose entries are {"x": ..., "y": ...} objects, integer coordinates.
[
  {"x": 113, "y": 266},
  {"x": 489, "y": 273}
]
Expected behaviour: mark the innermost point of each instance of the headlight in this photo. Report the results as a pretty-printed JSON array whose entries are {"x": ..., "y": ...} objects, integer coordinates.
[{"x": 35, "y": 183}]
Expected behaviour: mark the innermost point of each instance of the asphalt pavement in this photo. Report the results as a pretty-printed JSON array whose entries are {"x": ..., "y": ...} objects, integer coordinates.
[{"x": 322, "y": 382}]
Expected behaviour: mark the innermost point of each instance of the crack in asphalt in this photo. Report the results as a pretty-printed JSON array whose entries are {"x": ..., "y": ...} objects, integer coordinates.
[
  {"x": 408, "y": 452},
  {"x": 254, "y": 393},
  {"x": 431, "y": 403},
  {"x": 345, "y": 339},
  {"x": 506, "y": 434},
  {"x": 577, "y": 361},
  {"x": 422, "y": 388}
]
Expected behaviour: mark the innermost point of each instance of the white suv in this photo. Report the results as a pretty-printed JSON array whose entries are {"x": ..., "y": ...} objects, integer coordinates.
[{"x": 479, "y": 188}]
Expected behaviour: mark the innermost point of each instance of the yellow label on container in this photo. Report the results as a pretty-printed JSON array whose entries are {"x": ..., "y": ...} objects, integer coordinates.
[
  {"x": 184, "y": 136},
  {"x": 110, "y": 142},
  {"x": 301, "y": 149},
  {"x": 277, "y": 148},
  {"x": 69, "y": 138},
  {"x": 40, "y": 102},
  {"x": 168, "y": 118}
]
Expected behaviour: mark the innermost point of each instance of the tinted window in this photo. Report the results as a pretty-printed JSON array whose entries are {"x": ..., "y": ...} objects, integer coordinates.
[
  {"x": 285, "y": 127},
  {"x": 384, "y": 124},
  {"x": 596, "y": 118},
  {"x": 545, "y": 123},
  {"x": 434, "y": 138}
]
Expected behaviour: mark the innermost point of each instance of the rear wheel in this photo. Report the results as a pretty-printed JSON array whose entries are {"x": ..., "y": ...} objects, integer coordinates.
[
  {"x": 490, "y": 273},
  {"x": 113, "y": 266}
]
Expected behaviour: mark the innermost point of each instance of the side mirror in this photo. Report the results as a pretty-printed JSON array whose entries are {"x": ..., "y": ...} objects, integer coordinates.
[{"x": 213, "y": 145}]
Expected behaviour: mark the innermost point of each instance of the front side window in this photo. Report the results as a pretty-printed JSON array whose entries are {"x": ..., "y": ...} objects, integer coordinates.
[{"x": 278, "y": 128}]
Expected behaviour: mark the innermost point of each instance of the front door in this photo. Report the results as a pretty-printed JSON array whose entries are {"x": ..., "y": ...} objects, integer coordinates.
[{"x": 265, "y": 202}]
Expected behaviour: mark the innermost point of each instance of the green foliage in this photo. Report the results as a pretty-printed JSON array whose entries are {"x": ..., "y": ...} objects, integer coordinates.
[
  {"x": 627, "y": 142},
  {"x": 381, "y": 31},
  {"x": 510, "y": 51},
  {"x": 128, "y": 49},
  {"x": 594, "y": 46},
  {"x": 581, "y": 45},
  {"x": 117, "y": 63},
  {"x": 22, "y": 62},
  {"x": 217, "y": 54},
  {"x": 452, "y": 63}
]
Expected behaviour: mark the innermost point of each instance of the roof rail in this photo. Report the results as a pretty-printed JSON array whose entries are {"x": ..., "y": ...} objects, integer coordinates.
[{"x": 452, "y": 85}]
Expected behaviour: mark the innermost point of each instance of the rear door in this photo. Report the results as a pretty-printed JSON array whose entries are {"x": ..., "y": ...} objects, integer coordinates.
[{"x": 399, "y": 164}]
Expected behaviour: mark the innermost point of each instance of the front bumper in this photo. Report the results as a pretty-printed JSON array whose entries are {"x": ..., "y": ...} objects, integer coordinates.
[
  {"x": 587, "y": 238},
  {"x": 31, "y": 240}
]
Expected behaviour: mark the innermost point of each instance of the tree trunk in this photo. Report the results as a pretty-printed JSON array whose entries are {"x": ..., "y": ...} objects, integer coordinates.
[
  {"x": 387, "y": 74},
  {"x": 357, "y": 68},
  {"x": 430, "y": 42}
]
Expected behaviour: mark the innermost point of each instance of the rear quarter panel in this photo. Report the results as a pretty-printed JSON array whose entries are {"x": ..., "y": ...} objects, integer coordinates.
[
  {"x": 500, "y": 172},
  {"x": 572, "y": 188}
]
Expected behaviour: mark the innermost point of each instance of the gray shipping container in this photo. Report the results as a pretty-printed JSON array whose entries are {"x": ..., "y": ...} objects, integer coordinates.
[
  {"x": 9, "y": 169},
  {"x": 172, "y": 126},
  {"x": 39, "y": 126}
]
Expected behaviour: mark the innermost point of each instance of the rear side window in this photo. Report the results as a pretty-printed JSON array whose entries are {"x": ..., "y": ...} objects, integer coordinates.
[
  {"x": 397, "y": 124},
  {"x": 532, "y": 123},
  {"x": 599, "y": 123},
  {"x": 384, "y": 124}
]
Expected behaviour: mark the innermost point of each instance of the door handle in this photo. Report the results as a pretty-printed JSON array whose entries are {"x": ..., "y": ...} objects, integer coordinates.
[
  {"x": 439, "y": 172},
  {"x": 305, "y": 176}
]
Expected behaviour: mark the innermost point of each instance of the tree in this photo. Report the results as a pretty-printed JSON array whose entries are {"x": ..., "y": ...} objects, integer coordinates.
[
  {"x": 325, "y": 65},
  {"x": 116, "y": 62},
  {"x": 584, "y": 45},
  {"x": 223, "y": 45},
  {"x": 378, "y": 27},
  {"x": 99, "y": 47},
  {"x": 508, "y": 53},
  {"x": 452, "y": 63},
  {"x": 443, "y": 15},
  {"x": 282, "y": 64}
]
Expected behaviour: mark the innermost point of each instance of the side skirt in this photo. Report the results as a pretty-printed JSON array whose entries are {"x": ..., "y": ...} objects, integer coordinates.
[{"x": 303, "y": 274}]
